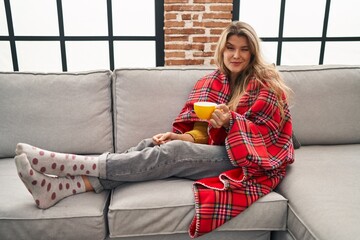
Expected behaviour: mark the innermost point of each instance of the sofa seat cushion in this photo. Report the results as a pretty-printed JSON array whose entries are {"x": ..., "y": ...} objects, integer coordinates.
[
  {"x": 323, "y": 192},
  {"x": 80, "y": 216},
  {"x": 166, "y": 206}
]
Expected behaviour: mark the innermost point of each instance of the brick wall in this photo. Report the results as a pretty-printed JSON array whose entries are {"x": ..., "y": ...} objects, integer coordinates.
[{"x": 192, "y": 29}]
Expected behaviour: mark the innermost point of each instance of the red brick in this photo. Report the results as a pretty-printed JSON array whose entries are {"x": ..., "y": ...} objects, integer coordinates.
[
  {"x": 203, "y": 54},
  {"x": 213, "y": 1},
  {"x": 216, "y": 31},
  {"x": 176, "y": 54},
  {"x": 169, "y": 24},
  {"x": 186, "y": 16},
  {"x": 213, "y": 47},
  {"x": 175, "y": 1},
  {"x": 170, "y": 16},
  {"x": 184, "y": 62},
  {"x": 205, "y": 39},
  {"x": 217, "y": 16},
  {"x": 221, "y": 8},
  {"x": 214, "y": 24},
  {"x": 179, "y": 8},
  {"x": 184, "y": 46},
  {"x": 185, "y": 31},
  {"x": 182, "y": 38}
]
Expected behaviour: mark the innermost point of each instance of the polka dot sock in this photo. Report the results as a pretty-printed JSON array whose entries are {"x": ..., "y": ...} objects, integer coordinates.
[
  {"x": 59, "y": 164},
  {"x": 46, "y": 190}
]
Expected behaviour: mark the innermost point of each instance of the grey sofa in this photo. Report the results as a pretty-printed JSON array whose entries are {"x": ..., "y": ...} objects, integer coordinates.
[{"x": 94, "y": 112}]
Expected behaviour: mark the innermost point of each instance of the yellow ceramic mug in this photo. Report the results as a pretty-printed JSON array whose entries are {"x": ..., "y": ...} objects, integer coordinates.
[{"x": 204, "y": 109}]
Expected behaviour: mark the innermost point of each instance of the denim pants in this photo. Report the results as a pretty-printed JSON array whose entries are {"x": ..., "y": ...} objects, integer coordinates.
[{"x": 147, "y": 161}]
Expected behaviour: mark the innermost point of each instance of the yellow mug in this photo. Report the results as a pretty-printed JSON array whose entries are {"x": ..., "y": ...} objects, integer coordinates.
[{"x": 204, "y": 109}]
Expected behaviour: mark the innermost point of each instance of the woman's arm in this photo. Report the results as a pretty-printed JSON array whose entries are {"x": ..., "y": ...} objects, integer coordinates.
[
  {"x": 162, "y": 138},
  {"x": 197, "y": 135}
]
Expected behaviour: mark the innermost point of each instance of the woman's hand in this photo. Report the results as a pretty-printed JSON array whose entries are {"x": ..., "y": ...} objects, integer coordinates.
[
  {"x": 220, "y": 117},
  {"x": 162, "y": 138}
]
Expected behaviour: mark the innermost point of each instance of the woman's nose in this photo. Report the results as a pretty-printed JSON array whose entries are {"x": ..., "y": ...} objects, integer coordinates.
[{"x": 236, "y": 54}]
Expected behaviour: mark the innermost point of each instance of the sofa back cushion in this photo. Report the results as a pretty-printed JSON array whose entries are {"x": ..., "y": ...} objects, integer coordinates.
[
  {"x": 146, "y": 101},
  {"x": 326, "y": 103},
  {"x": 67, "y": 112}
]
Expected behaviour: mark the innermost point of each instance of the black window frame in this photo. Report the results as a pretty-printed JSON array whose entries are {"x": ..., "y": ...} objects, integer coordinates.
[
  {"x": 280, "y": 39},
  {"x": 110, "y": 38}
]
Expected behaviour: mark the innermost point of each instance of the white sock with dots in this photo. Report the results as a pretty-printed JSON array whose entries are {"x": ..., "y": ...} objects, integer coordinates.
[
  {"x": 59, "y": 164},
  {"x": 46, "y": 190}
]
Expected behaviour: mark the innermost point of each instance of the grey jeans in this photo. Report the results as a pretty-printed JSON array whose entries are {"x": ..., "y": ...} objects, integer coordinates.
[{"x": 147, "y": 161}]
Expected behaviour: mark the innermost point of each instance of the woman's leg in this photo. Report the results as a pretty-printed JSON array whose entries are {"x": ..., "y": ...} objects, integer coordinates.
[
  {"x": 47, "y": 190},
  {"x": 59, "y": 164},
  {"x": 141, "y": 163},
  {"x": 173, "y": 159},
  {"x": 148, "y": 162}
]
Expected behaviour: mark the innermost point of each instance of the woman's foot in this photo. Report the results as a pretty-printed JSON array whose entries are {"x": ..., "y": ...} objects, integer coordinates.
[
  {"x": 59, "y": 164},
  {"x": 46, "y": 190}
]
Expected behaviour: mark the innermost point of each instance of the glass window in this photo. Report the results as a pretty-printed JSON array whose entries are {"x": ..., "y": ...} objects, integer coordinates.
[
  {"x": 300, "y": 53},
  {"x": 39, "y": 56},
  {"x": 269, "y": 50},
  {"x": 262, "y": 15},
  {"x": 344, "y": 19},
  {"x": 35, "y": 18},
  {"x": 134, "y": 54},
  {"x": 342, "y": 53},
  {"x": 85, "y": 18},
  {"x": 3, "y": 21},
  {"x": 129, "y": 19},
  {"x": 89, "y": 55},
  {"x": 5, "y": 57},
  {"x": 304, "y": 18}
]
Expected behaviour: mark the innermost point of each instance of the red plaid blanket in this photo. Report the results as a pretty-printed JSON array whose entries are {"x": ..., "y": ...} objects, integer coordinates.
[{"x": 256, "y": 142}]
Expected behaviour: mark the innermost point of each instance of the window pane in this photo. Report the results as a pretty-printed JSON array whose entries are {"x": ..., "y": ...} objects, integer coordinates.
[
  {"x": 304, "y": 18},
  {"x": 264, "y": 19},
  {"x": 3, "y": 22},
  {"x": 269, "y": 50},
  {"x": 134, "y": 18},
  {"x": 5, "y": 57},
  {"x": 35, "y": 18},
  {"x": 134, "y": 54},
  {"x": 83, "y": 56},
  {"x": 344, "y": 19},
  {"x": 39, "y": 56},
  {"x": 342, "y": 53},
  {"x": 300, "y": 53},
  {"x": 85, "y": 18}
]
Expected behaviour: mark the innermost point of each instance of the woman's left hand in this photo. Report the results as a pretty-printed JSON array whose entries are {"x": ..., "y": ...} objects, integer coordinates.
[{"x": 220, "y": 117}]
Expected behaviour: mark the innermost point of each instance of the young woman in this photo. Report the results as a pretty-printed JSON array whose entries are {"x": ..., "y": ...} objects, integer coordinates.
[{"x": 236, "y": 157}]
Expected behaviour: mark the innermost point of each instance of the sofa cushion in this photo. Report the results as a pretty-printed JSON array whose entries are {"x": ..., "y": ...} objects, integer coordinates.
[
  {"x": 66, "y": 112},
  {"x": 326, "y": 103},
  {"x": 148, "y": 100},
  {"x": 164, "y": 207},
  {"x": 323, "y": 192},
  {"x": 80, "y": 216}
]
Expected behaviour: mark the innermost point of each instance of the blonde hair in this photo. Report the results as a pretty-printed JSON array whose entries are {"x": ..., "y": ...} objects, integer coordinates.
[{"x": 266, "y": 74}]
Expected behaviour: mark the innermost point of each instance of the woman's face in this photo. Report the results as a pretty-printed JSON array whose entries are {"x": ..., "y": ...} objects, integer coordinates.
[{"x": 236, "y": 55}]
